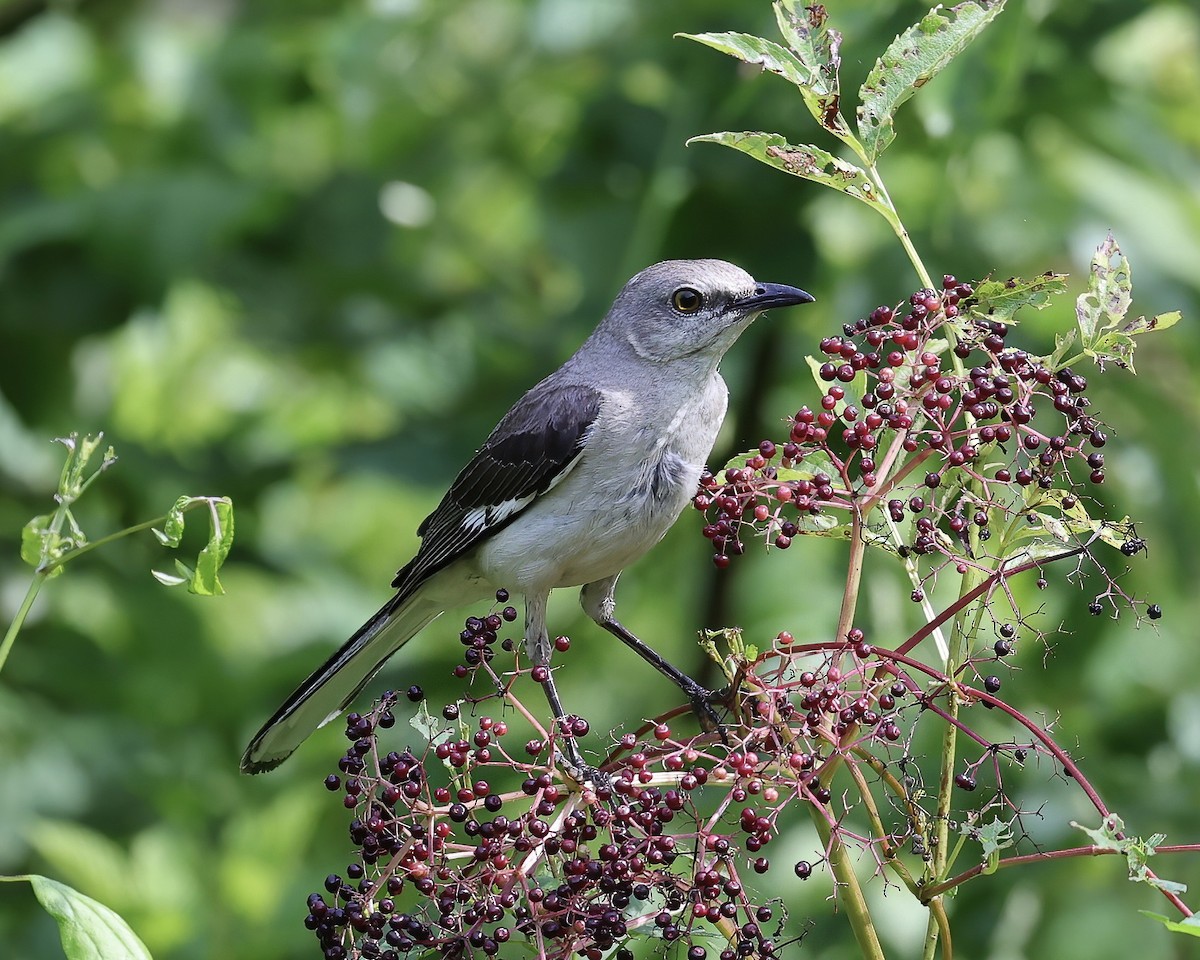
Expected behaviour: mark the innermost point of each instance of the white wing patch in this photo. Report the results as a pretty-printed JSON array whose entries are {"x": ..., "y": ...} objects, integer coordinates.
[{"x": 479, "y": 519}]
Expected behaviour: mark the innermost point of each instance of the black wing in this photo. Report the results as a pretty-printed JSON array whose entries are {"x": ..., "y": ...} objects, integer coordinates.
[{"x": 535, "y": 446}]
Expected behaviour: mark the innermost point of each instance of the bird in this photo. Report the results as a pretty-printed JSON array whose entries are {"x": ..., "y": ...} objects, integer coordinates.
[{"x": 580, "y": 478}]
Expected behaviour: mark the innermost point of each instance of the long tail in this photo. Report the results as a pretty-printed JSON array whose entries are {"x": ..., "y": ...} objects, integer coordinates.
[{"x": 330, "y": 689}]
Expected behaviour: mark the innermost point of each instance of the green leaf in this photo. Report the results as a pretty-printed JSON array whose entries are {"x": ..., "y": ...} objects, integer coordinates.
[
  {"x": 912, "y": 60},
  {"x": 1067, "y": 525},
  {"x": 172, "y": 532},
  {"x": 427, "y": 725},
  {"x": 803, "y": 27},
  {"x": 1000, "y": 299},
  {"x": 1189, "y": 926},
  {"x": 760, "y": 52},
  {"x": 89, "y": 930},
  {"x": 1136, "y": 850},
  {"x": 854, "y": 389},
  {"x": 994, "y": 837},
  {"x": 1100, "y": 311},
  {"x": 201, "y": 579},
  {"x": 205, "y": 582},
  {"x": 36, "y": 537},
  {"x": 811, "y": 163}
]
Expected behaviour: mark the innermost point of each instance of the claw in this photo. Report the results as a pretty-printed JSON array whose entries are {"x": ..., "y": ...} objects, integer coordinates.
[{"x": 702, "y": 705}]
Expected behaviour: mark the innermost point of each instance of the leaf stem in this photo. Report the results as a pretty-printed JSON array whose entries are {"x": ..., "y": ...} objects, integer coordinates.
[
  {"x": 14, "y": 628},
  {"x": 79, "y": 551}
]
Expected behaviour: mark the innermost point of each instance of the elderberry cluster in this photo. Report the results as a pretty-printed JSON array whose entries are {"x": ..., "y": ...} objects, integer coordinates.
[
  {"x": 904, "y": 423},
  {"x": 463, "y": 844}
]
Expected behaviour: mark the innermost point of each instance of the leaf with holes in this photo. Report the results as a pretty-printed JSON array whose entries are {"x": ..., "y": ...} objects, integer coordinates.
[
  {"x": 1001, "y": 299},
  {"x": 1100, "y": 312},
  {"x": 811, "y": 163},
  {"x": 816, "y": 47},
  {"x": 912, "y": 60}
]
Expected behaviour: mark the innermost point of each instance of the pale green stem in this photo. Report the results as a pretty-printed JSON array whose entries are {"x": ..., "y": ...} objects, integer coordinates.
[
  {"x": 79, "y": 551},
  {"x": 14, "y": 628}
]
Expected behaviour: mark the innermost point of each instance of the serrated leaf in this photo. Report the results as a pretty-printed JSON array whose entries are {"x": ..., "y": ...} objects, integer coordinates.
[
  {"x": 1062, "y": 344},
  {"x": 1000, "y": 299},
  {"x": 1189, "y": 926},
  {"x": 816, "y": 47},
  {"x": 88, "y": 929},
  {"x": 994, "y": 837},
  {"x": 809, "y": 162},
  {"x": 912, "y": 60}
]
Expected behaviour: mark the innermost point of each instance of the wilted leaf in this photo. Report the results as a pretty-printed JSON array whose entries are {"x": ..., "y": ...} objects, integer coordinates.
[
  {"x": 809, "y": 162},
  {"x": 912, "y": 60},
  {"x": 88, "y": 929},
  {"x": 1000, "y": 299}
]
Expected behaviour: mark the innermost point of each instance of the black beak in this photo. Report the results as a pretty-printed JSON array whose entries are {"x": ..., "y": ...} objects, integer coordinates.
[{"x": 767, "y": 295}]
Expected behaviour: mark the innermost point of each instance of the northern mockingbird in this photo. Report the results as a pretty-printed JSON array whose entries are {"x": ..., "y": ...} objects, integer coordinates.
[{"x": 578, "y": 480}]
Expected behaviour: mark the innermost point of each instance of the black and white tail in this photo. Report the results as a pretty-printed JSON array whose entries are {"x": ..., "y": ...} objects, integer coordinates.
[{"x": 335, "y": 683}]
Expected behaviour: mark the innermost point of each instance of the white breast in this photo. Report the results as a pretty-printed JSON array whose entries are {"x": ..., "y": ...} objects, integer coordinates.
[{"x": 637, "y": 474}]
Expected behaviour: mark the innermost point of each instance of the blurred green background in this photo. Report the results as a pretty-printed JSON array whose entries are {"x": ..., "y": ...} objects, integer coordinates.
[{"x": 304, "y": 254}]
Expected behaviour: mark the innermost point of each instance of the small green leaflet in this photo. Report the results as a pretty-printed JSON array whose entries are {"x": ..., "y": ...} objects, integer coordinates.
[
  {"x": 427, "y": 725},
  {"x": 809, "y": 162},
  {"x": 201, "y": 579},
  {"x": 854, "y": 389},
  {"x": 1000, "y": 299},
  {"x": 1101, "y": 311},
  {"x": 1136, "y": 850},
  {"x": 88, "y": 929},
  {"x": 1189, "y": 926},
  {"x": 994, "y": 837},
  {"x": 1069, "y": 525},
  {"x": 912, "y": 60}
]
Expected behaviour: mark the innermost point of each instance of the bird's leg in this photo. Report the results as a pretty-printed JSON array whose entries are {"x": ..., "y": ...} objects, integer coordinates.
[
  {"x": 538, "y": 648},
  {"x": 599, "y": 604}
]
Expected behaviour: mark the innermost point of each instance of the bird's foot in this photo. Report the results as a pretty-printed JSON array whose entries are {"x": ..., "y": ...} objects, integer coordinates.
[
  {"x": 702, "y": 700},
  {"x": 583, "y": 772}
]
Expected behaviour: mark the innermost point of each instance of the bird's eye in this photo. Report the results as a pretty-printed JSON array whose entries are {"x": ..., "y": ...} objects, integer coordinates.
[{"x": 687, "y": 300}]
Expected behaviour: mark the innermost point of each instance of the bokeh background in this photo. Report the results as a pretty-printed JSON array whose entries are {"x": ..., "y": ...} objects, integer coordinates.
[{"x": 304, "y": 253}]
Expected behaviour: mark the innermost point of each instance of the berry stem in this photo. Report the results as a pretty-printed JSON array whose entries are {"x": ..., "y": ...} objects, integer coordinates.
[
  {"x": 854, "y": 568},
  {"x": 59, "y": 561},
  {"x": 850, "y": 893}
]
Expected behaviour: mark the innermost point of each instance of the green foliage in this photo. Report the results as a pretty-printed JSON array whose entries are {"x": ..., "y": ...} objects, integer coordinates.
[
  {"x": 913, "y": 59},
  {"x": 304, "y": 254},
  {"x": 89, "y": 930},
  {"x": 1110, "y": 835}
]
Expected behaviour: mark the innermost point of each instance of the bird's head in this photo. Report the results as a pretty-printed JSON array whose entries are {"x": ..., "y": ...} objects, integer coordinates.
[{"x": 683, "y": 308}]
